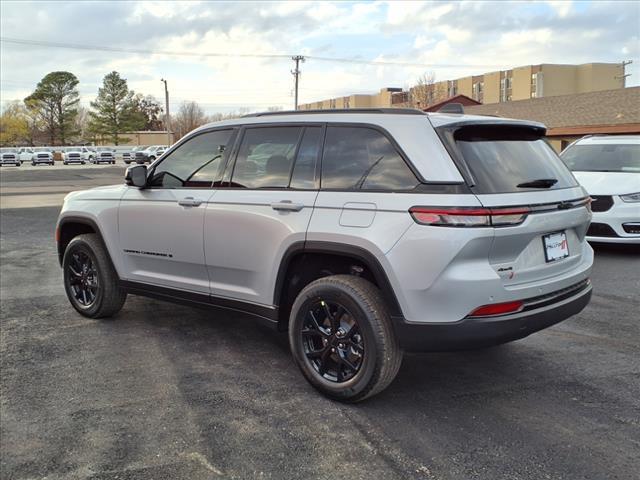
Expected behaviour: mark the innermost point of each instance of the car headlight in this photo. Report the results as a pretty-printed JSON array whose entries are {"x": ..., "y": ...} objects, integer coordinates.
[{"x": 631, "y": 197}]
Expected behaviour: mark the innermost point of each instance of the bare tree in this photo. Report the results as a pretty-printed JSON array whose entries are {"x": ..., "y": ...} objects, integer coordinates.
[
  {"x": 426, "y": 92},
  {"x": 190, "y": 115},
  {"x": 82, "y": 123},
  {"x": 218, "y": 116}
]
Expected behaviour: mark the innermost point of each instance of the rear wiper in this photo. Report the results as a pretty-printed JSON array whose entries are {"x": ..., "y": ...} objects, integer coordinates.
[{"x": 539, "y": 183}]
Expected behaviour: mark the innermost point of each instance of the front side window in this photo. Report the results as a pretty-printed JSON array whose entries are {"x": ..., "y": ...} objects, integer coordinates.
[
  {"x": 197, "y": 163},
  {"x": 265, "y": 157},
  {"x": 363, "y": 158}
]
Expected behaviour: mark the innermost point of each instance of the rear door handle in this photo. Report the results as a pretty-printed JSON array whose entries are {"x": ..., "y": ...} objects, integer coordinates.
[
  {"x": 287, "y": 206},
  {"x": 190, "y": 202}
]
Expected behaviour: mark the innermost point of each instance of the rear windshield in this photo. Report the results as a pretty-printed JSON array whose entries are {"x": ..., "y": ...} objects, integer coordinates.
[
  {"x": 505, "y": 159},
  {"x": 603, "y": 158}
]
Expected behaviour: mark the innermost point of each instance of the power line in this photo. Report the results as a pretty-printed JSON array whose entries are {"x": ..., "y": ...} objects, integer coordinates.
[{"x": 76, "y": 46}]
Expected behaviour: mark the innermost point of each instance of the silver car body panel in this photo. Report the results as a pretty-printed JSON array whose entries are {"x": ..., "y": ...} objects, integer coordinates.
[{"x": 232, "y": 243}]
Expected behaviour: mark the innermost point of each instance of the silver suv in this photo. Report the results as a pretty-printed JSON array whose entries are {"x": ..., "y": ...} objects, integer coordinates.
[{"x": 363, "y": 233}]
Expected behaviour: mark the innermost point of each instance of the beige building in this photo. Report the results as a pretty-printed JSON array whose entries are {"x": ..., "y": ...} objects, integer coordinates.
[
  {"x": 143, "y": 137},
  {"x": 520, "y": 83},
  {"x": 384, "y": 98}
]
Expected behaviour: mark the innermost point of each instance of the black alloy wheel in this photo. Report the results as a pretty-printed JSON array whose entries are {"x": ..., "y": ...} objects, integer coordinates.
[
  {"x": 83, "y": 279},
  {"x": 90, "y": 280},
  {"x": 341, "y": 338},
  {"x": 332, "y": 341}
]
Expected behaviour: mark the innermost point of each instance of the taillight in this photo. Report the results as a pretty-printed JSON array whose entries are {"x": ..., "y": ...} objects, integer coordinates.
[
  {"x": 469, "y": 216},
  {"x": 57, "y": 234},
  {"x": 497, "y": 309}
]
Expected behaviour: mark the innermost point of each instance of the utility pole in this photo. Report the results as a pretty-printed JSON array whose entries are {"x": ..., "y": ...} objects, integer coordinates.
[
  {"x": 167, "y": 118},
  {"x": 624, "y": 72},
  {"x": 296, "y": 74}
]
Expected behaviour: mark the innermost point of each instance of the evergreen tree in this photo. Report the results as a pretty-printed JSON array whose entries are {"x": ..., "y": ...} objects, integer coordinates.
[
  {"x": 114, "y": 110},
  {"x": 55, "y": 103}
]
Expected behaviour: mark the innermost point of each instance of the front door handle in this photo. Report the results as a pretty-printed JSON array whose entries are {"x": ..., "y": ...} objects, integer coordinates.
[
  {"x": 190, "y": 202},
  {"x": 287, "y": 206}
]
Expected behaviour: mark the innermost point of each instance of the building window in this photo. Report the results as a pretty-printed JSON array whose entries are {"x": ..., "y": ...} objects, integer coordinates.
[
  {"x": 453, "y": 89},
  {"x": 536, "y": 85},
  {"x": 477, "y": 89},
  {"x": 347, "y": 103},
  {"x": 505, "y": 89},
  {"x": 332, "y": 103}
]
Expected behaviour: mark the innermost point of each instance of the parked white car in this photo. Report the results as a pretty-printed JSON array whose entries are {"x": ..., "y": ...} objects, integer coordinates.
[
  {"x": 608, "y": 167},
  {"x": 129, "y": 156},
  {"x": 42, "y": 155},
  {"x": 149, "y": 154},
  {"x": 104, "y": 155},
  {"x": 9, "y": 156},
  {"x": 25, "y": 154},
  {"x": 76, "y": 155}
]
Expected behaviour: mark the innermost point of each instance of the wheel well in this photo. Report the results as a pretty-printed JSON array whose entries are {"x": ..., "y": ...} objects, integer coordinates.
[
  {"x": 68, "y": 231},
  {"x": 305, "y": 267}
]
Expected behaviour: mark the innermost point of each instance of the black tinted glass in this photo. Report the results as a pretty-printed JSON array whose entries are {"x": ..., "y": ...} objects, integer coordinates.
[
  {"x": 304, "y": 171},
  {"x": 265, "y": 157},
  {"x": 502, "y": 158},
  {"x": 196, "y": 163},
  {"x": 363, "y": 158},
  {"x": 609, "y": 157}
]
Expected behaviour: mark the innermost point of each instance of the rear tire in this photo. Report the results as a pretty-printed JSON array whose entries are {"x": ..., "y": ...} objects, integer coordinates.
[
  {"x": 341, "y": 338},
  {"x": 90, "y": 281}
]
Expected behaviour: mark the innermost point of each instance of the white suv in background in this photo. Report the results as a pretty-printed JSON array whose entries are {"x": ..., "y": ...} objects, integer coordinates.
[
  {"x": 42, "y": 155},
  {"x": 10, "y": 156},
  {"x": 75, "y": 155},
  {"x": 362, "y": 233},
  {"x": 608, "y": 167},
  {"x": 25, "y": 154}
]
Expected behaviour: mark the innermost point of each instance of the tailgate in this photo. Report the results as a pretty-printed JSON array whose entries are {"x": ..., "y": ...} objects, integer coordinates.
[
  {"x": 519, "y": 254},
  {"x": 509, "y": 165}
]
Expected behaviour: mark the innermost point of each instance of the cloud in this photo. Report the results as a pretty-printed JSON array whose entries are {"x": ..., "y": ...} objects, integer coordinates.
[{"x": 496, "y": 35}]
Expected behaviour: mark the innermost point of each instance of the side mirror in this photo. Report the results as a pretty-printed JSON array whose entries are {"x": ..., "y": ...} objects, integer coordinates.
[{"x": 136, "y": 176}]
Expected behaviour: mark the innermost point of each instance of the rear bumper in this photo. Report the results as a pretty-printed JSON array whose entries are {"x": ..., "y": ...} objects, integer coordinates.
[{"x": 470, "y": 333}]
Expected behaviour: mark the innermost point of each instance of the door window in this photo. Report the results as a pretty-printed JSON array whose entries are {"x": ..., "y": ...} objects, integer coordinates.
[
  {"x": 265, "y": 157},
  {"x": 363, "y": 158},
  {"x": 304, "y": 171},
  {"x": 197, "y": 163}
]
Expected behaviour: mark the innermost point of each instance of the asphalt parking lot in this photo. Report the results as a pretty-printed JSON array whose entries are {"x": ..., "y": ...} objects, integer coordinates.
[{"x": 166, "y": 392}]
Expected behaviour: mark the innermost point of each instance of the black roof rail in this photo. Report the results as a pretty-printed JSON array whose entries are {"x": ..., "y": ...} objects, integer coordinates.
[
  {"x": 452, "y": 108},
  {"x": 396, "y": 111}
]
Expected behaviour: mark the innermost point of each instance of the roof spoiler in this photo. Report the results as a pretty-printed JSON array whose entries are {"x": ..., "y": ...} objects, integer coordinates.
[{"x": 452, "y": 108}]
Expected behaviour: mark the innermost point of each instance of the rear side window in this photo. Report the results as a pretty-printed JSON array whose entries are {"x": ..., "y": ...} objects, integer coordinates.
[
  {"x": 265, "y": 157},
  {"x": 609, "y": 157},
  {"x": 304, "y": 171},
  {"x": 363, "y": 158},
  {"x": 510, "y": 159}
]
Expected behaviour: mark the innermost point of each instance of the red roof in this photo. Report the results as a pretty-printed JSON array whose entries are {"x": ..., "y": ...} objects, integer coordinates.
[{"x": 462, "y": 99}]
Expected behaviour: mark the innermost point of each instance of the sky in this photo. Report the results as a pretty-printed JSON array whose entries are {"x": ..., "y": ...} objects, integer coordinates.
[{"x": 447, "y": 39}]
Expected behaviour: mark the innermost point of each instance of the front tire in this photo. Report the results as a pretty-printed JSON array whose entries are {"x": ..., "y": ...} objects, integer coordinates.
[
  {"x": 341, "y": 338},
  {"x": 90, "y": 281}
]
